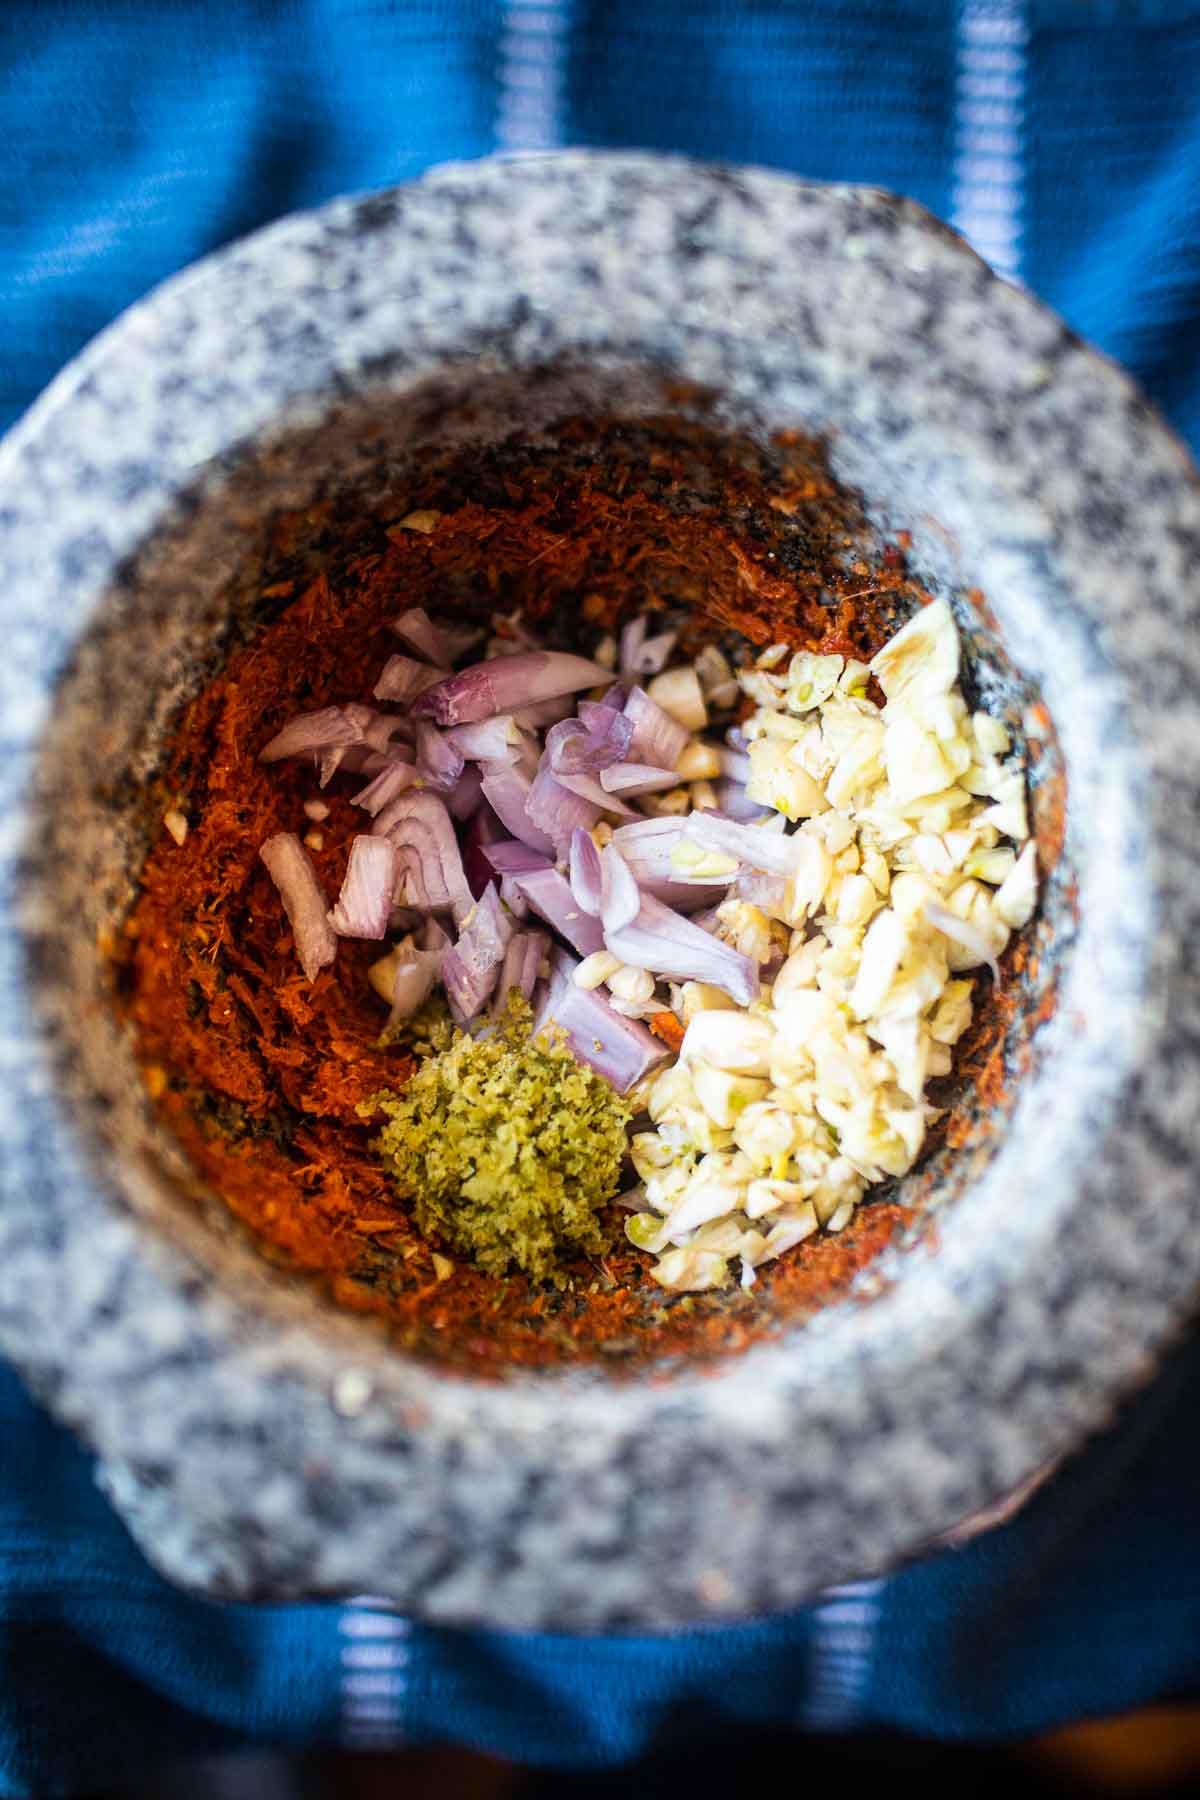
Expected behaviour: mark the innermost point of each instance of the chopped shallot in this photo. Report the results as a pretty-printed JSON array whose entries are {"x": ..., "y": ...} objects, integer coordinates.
[
  {"x": 759, "y": 849},
  {"x": 574, "y": 748},
  {"x": 431, "y": 870},
  {"x": 471, "y": 967},
  {"x": 621, "y": 1050},
  {"x": 586, "y": 873},
  {"x": 483, "y": 833},
  {"x": 421, "y": 634},
  {"x": 439, "y": 761},
  {"x": 613, "y": 701},
  {"x": 507, "y": 790},
  {"x": 403, "y": 679},
  {"x": 507, "y": 856},
  {"x": 550, "y": 896},
  {"x": 632, "y": 779},
  {"x": 331, "y": 728},
  {"x": 291, "y": 869},
  {"x": 620, "y": 899},
  {"x": 735, "y": 803},
  {"x": 735, "y": 765},
  {"x": 545, "y": 712},
  {"x": 392, "y": 779},
  {"x": 640, "y": 655},
  {"x": 648, "y": 847},
  {"x": 505, "y": 683},
  {"x": 587, "y": 787},
  {"x": 658, "y": 739},
  {"x": 365, "y": 901},
  {"x": 522, "y": 965},
  {"x": 488, "y": 740},
  {"x": 667, "y": 944},
  {"x": 466, "y": 796},
  {"x": 555, "y": 811},
  {"x": 412, "y": 971}
]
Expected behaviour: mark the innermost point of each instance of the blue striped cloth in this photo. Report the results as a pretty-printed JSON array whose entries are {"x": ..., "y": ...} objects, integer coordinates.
[{"x": 1063, "y": 139}]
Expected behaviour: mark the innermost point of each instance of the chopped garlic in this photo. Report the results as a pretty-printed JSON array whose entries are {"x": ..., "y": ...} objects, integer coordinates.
[
  {"x": 952, "y": 1014},
  {"x": 722, "y": 1095},
  {"x": 696, "y": 862},
  {"x": 1016, "y": 898},
  {"x": 747, "y": 928},
  {"x": 646, "y": 1231},
  {"x": 673, "y": 804},
  {"x": 650, "y": 1154},
  {"x": 702, "y": 996},
  {"x": 875, "y": 868},
  {"x": 786, "y": 1233},
  {"x": 883, "y": 947},
  {"x": 741, "y": 1045},
  {"x": 678, "y": 692},
  {"x": 992, "y": 866},
  {"x": 991, "y": 737},
  {"x": 766, "y": 1197},
  {"x": 812, "y": 679},
  {"x": 176, "y": 823},
  {"x": 777, "y": 781},
  {"x": 596, "y": 969},
  {"x": 765, "y": 1133},
  {"x": 699, "y": 762},
  {"x": 1008, "y": 814},
  {"x": 857, "y": 900},
  {"x": 917, "y": 762},
  {"x": 716, "y": 677},
  {"x": 382, "y": 974},
  {"x": 923, "y": 657},
  {"x": 691, "y": 1271},
  {"x": 814, "y": 871},
  {"x": 636, "y": 985},
  {"x": 800, "y": 969},
  {"x": 913, "y": 866}
]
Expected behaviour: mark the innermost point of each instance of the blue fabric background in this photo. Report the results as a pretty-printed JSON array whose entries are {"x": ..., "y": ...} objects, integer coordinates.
[{"x": 138, "y": 136}]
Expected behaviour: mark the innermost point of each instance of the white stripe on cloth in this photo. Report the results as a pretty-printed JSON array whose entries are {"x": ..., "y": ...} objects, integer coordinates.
[
  {"x": 989, "y": 167},
  {"x": 374, "y": 1673},
  {"x": 839, "y": 1667},
  {"x": 531, "y": 76}
]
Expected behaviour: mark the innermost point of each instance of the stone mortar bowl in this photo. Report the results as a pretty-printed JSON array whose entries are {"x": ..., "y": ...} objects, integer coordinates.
[{"x": 259, "y": 1442}]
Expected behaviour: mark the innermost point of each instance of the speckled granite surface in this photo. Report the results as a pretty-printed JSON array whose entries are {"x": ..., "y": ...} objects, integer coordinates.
[{"x": 260, "y": 1446}]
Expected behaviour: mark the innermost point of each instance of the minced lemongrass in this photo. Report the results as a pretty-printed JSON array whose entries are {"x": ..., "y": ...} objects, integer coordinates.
[{"x": 506, "y": 1148}]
